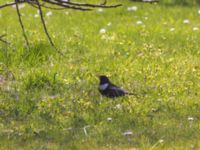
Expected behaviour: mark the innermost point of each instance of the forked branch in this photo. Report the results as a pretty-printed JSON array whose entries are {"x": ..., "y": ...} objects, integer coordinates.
[
  {"x": 146, "y": 1},
  {"x": 21, "y": 23},
  {"x": 52, "y": 4}
]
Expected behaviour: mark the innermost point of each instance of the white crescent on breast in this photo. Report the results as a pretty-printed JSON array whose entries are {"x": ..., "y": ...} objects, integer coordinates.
[{"x": 103, "y": 86}]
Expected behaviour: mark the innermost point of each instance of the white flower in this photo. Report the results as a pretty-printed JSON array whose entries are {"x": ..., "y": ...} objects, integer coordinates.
[
  {"x": 100, "y": 10},
  {"x": 172, "y": 29},
  {"x": 49, "y": 13},
  {"x": 195, "y": 29},
  {"x": 190, "y": 118},
  {"x": 186, "y": 21},
  {"x": 118, "y": 106},
  {"x": 199, "y": 12},
  {"x": 36, "y": 15},
  {"x": 161, "y": 141},
  {"x": 109, "y": 119},
  {"x": 102, "y": 30},
  {"x": 128, "y": 133},
  {"x": 139, "y": 22},
  {"x": 132, "y": 8}
]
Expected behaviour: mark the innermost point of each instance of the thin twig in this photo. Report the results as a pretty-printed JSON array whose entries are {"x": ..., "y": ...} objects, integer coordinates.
[
  {"x": 32, "y": 4},
  {"x": 48, "y": 7},
  {"x": 146, "y": 1},
  {"x": 43, "y": 22},
  {"x": 61, "y": 5},
  {"x": 43, "y": 5},
  {"x": 53, "y": 8},
  {"x": 67, "y": 6},
  {"x": 9, "y": 4},
  {"x": 88, "y": 5},
  {"x": 45, "y": 28},
  {"x": 21, "y": 24}
]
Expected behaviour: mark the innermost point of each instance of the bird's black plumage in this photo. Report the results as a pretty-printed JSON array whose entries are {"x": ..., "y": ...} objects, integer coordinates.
[{"x": 106, "y": 88}]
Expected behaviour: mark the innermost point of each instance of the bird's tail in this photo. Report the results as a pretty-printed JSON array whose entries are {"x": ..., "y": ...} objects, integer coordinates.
[{"x": 133, "y": 94}]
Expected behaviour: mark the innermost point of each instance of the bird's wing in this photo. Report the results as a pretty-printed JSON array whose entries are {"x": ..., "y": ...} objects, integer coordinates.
[{"x": 116, "y": 88}]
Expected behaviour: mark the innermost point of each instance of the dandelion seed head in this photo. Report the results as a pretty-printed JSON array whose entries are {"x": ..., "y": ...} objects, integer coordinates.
[
  {"x": 195, "y": 28},
  {"x": 190, "y": 118},
  {"x": 118, "y": 106},
  {"x": 100, "y": 10},
  {"x": 172, "y": 29},
  {"x": 109, "y": 119},
  {"x": 128, "y": 133},
  {"x": 102, "y": 30},
  {"x": 139, "y": 22},
  {"x": 132, "y": 8},
  {"x": 49, "y": 13},
  {"x": 161, "y": 141},
  {"x": 186, "y": 21}
]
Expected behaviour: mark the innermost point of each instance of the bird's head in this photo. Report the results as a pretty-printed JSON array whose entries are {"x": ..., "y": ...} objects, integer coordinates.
[{"x": 103, "y": 79}]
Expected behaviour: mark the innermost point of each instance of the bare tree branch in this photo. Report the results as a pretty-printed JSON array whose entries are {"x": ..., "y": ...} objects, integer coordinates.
[
  {"x": 32, "y": 4},
  {"x": 21, "y": 24},
  {"x": 45, "y": 28},
  {"x": 7, "y": 4},
  {"x": 146, "y": 1},
  {"x": 67, "y": 6},
  {"x": 43, "y": 22},
  {"x": 61, "y": 4},
  {"x": 53, "y": 8},
  {"x": 43, "y": 5},
  {"x": 88, "y": 5}
]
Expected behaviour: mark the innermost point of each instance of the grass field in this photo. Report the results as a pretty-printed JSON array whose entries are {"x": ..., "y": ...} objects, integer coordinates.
[{"x": 51, "y": 102}]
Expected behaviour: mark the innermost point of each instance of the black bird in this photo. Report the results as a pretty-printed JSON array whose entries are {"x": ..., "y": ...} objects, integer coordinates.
[{"x": 106, "y": 88}]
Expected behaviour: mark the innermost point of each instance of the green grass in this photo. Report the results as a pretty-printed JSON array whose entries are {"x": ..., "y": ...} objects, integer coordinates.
[{"x": 47, "y": 100}]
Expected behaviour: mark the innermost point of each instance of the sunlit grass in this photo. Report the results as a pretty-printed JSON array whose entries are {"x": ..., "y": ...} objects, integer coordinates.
[{"x": 49, "y": 101}]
